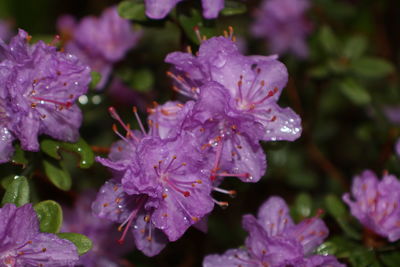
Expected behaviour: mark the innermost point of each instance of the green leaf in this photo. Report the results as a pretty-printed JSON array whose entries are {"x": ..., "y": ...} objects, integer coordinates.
[
  {"x": 303, "y": 205},
  {"x": 17, "y": 192},
  {"x": 133, "y": 10},
  {"x": 142, "y": 80},
  {"x": 372, "y": 67},
  {"x": 328, "y": 40},
  {"x": 82, "y": 243},
  {"x": 233, "y": 8},
  {"x": 355, "y": 47},
  {"x": 354, "y": 91},
  {"x": 19, "y": 157},
  {"x": 96, "y": 77},
  {"x": 337, "y": 210},
  {"x": 51, "y": 147},
  {"x": 390, "y": 259},
  {"x": 353, "y": 252},
  {"x": 193, "y": 19},
  {"x": 50, "y": 216},
  {"x": 57, "y": 174}
]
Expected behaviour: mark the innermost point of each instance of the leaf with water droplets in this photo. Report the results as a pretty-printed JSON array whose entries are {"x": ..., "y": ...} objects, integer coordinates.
[
  {"x": 50, "y": 216},
  {"x": 82, "y": 243},
  {"x": 51, "y": 147},
  {"x": 17, "y": 191}
]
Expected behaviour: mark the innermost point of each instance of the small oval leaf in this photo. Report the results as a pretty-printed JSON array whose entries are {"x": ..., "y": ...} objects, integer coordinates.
[
  {"x": 57, "y": 174},
  {"x": 17, "y": 191},
  {"x": 50, "y": 216},
  {"x": 82, "y": 243}
]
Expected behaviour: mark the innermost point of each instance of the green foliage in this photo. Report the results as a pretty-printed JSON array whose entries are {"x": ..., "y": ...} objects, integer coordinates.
[
  {"x": 17, "y": 191},
  {"x": 191, "y": 19},
  {"x": 81, "y": 148},
  {"x": 19, "y": 157},
  {"x": 96, "y": 77},
  {"x": 133, "y": 10},
  {"x": 50, "y": 216},
  {"x": 57, "y": 174},
  {"x": 82, "y": 243},
  {"x": 371, "y": 67},
  {"x": 233, "y": 8}
]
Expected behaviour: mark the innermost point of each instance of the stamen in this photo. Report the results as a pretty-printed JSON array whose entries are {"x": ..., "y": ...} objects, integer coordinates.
[
  {"x": 127, "y": 223},
  {"x": 231, "y": 193},
  {"x": 67, "y": 104},
  {"x": 222, "y": 204},
  {"x": 139, "y": 120},
  {"x": 196, "y": 30}
]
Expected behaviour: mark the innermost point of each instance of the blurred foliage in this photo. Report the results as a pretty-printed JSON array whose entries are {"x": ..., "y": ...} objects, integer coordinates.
[{"x": 341, "y": 92}]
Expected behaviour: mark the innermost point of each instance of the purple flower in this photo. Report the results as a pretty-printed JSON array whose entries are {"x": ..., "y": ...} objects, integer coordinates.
[
  {"x": 40, "y": 86},
  {"x": 236, "y": 103},
  {"x": 5, "y": 30},
  {"x": 21, "y": 243},
  {"x": 275, "y": 241},
  {"x": 99, "y": 42},
  {"x": 161, "y": 186},
  {"x": 159, "y": 9},
  {"x": 393, "y": 114},
  {"x": 397, "y": 147},
  {"x": 376, "y": 203},
  {"x": 283, "y": 24},
  {"x": 104, "y": 252}
]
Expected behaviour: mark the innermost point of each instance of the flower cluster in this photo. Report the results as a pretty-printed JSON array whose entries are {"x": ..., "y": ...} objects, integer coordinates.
[
  {"x": 274, "y": 241},
  {"x": 39, "y": 89},
  {"x": 283, "y": 24},
  {"x": 22, "y": 244},
  {"x": 376, "y": 203},
  {"x": 163, "y": 177},
  {"x": 99, "y": 42},
  {"x": 158, "y": 9}
]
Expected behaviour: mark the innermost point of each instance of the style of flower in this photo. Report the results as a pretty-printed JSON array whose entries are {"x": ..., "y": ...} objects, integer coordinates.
[
  {"x": 40, "y": 86},
  {"x": 160, "y": 187},
  {"x": 22, "y": 244},
  {"x": 236, "y": 103},
  {"x": 81, "y": 220},
  {"x": 284, "y": 25},
  {"x": 99, "y": 42},
  {"x": 159, "y": 9},
  {"x": 376, "y": 203},
  {"x": 275, "y": 241}
]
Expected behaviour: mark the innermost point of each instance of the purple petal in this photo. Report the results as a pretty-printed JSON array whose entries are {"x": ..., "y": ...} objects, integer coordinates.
[
  {"x": 20, "y": 224},
  {"x": 231, "y": 258},
  {"x": 211, "y": 8},
  {"x": 158, "y": 9},
  {"x": 321, "y": 261},
  {"x": 6, "y": 148},
  {"x": 274, "y": 216},
  {"x": 310, "y": 233},
  {"x": 148, "y": 239},
  {"x": 49, "y": 249}
]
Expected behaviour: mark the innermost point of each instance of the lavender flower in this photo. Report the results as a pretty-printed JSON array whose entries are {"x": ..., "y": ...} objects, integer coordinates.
[
  {"x": 236, "y": 105},
  {"x": 159, "y": 9},
  {"x": 40, "y": 86},
  {"x": 160, "y": 189},
  {"x": 283, "y": 24},
  {"x": 274, "y": 241},
  {"x": 21, "y": 243},
  {"x": 81, "y": 220},
  {"x": 99, "y": 42},
  {"x": 376, "y": 203}
]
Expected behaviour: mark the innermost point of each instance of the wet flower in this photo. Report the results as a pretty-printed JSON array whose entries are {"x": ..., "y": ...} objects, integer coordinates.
[
  {"x": 236, "y": 102},
  {"x": 21, "y": 243},
  {"x": 160, "y": 189},
  {"x": 80, "y": 219},
  {"x": 159, "y": 9},
  {"x": 284, "y": 25},
  {"x": 274, "y": 241},
  {"x": 40, "y": 86},
  {"x": 376, "y": 203},
  {"x": 99, "y": 42}
]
